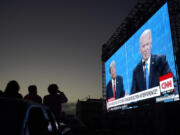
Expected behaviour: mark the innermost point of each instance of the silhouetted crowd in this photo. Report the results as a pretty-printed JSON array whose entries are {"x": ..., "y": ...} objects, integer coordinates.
[{"x": 53, "y": 100}]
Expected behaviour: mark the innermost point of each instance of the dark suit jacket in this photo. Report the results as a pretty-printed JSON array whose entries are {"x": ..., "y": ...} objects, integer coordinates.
[
  {"x": 119, "y": 88},
  {"x": 158, "y": 67}
]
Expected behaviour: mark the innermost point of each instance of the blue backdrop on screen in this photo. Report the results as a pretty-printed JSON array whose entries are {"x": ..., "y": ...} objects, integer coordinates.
[{"x": 128, "y": 56}]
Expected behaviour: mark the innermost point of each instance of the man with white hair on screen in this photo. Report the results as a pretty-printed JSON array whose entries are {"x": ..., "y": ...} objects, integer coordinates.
[{"x": 147, "y": 72}]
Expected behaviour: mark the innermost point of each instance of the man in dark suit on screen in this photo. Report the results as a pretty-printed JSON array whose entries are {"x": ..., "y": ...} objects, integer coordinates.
[
  {"x": 146, "y": 74},
  {"x": 115, "y": 88}
]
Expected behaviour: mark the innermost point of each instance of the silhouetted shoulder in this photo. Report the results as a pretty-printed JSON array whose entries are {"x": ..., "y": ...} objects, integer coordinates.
[
  {"x": 1, "y": 93},
  {"x": 19, "y": 96}
]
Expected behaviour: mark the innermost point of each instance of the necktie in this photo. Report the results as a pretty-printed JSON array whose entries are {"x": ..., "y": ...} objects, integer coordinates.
[
  {"x": 114, "y": 90},
  {"x": 147, "y": 76}
]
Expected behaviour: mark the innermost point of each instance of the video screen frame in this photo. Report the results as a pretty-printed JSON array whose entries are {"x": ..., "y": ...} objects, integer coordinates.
[{"x": 159, "y": 25}]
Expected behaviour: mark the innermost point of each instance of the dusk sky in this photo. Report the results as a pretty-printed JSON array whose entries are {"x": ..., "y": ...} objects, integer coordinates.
[{"x": 57, "y": 41}]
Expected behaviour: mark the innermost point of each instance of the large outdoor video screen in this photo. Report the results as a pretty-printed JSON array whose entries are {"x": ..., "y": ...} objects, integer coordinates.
[{"x": 143, "y": 68}]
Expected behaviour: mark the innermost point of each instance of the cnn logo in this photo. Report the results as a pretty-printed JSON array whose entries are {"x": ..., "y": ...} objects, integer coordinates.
[{"x": 167, "y": 85}]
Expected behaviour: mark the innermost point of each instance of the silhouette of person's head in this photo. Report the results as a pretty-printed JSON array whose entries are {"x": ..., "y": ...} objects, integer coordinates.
[
  {"x": 53, "y": 88},
  {"x": 32, "y": 89},
  {"x": 12, "y": 87}
]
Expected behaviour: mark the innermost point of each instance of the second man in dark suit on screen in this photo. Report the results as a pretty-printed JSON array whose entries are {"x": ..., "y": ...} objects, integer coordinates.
[
  {"x": 115, "y": 88},
  {"x": 147, "y": 72}
]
